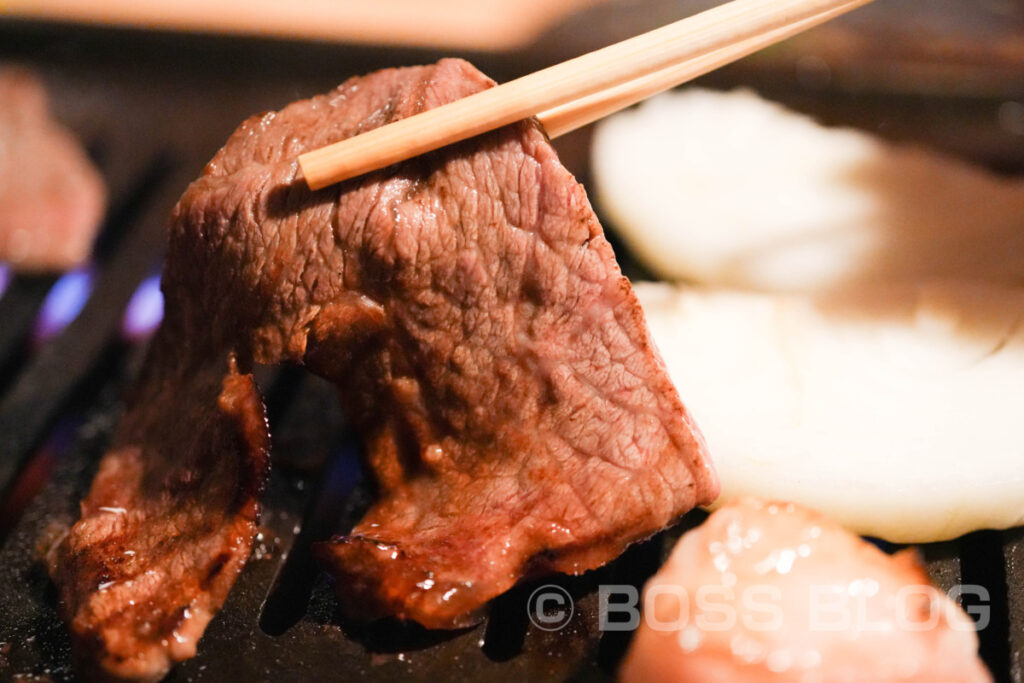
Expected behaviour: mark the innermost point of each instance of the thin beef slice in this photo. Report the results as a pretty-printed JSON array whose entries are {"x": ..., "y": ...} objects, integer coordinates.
[
  {"x": 515, "y": 413},
  {"x": 168, "y": 523},
  {"x": 516, "y": 416}
]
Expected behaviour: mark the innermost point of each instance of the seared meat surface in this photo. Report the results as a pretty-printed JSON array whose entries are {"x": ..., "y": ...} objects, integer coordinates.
[
  {"x": 168, "y": 523},
  {"x": 516, "y": 416},
  {"x": 51, "y": 196}
]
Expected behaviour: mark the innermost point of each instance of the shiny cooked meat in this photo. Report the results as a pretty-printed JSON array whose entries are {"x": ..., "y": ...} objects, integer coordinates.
[
  {"x": 516, "y": 416},
  {"x": 168, "y": 523},
  {"x": 767, "y": 592},
  {"x": 51, "y": 196}
]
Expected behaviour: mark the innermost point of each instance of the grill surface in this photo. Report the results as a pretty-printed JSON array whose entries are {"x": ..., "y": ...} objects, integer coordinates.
[{"x": 152, "y": 110}]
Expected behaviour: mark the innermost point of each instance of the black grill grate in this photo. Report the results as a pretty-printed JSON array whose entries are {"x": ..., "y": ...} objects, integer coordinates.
[{"x": 152, "y": 121}]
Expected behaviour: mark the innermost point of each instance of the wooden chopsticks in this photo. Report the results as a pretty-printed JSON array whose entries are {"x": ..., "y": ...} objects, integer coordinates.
[
  {"x": 578, "y": 113},
  {"x": 582, "y": 89}
]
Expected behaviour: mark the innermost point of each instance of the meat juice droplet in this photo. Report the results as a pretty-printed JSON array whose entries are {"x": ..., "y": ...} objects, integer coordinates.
[
  {"x": 433, "y": 454},
  {"x": 560, "y": 530}
]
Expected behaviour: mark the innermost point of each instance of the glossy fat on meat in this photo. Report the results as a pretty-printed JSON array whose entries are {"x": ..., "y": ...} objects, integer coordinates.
[
  {"x": 51, "y": 196},
  {"x": 776, "y": 593}
]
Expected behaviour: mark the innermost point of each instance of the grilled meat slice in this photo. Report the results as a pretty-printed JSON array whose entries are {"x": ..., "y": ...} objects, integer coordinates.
[
  {"x": 51, "y": 196},
  {"x": 517, "y": 417},
  {"x": 168, "y": 523}
]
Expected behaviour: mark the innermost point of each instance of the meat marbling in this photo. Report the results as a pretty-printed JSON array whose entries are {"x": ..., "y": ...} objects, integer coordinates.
[
  {"x": 767, "y": 592},
  {"x": 51, "y": 196},
  {"x": 516, "y": 416}
]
